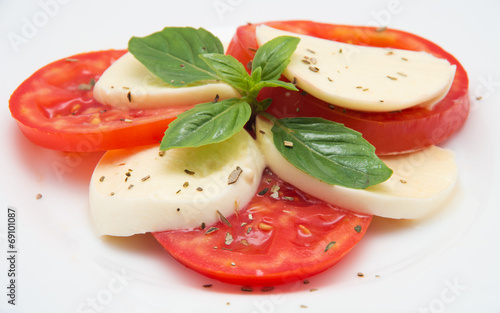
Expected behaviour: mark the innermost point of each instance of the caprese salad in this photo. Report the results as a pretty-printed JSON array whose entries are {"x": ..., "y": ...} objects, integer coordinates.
[{"x": 264, "y": 165}]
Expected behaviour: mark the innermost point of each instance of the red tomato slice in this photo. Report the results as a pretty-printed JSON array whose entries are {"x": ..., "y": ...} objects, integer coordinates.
[
  {"x": 55, "y": 109},
  {"x": 394, "y": 132},
  {"x": 270, "y": 241}
]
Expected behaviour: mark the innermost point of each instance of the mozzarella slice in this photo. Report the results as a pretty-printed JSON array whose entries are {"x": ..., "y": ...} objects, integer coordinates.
[
  {"x": 421, "y": 182},
  {"x": 139, "y": 190},
  {"x": 129, "y": 84},
  {"x": 364, "y": 78}
]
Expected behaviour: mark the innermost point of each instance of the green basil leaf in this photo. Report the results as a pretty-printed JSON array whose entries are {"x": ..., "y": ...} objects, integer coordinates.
[
  {"x": 173, "y": 54},
  {"x": 207, "y": 123},
  {"x": 275, "y": 83},
  {"x": 274, "y": 56},
  {"x": 264, "y": 104},
  {"x": 256, "y": 75},
  {"x": 229, "y": 70},
  {"x": 329, "y": 151}
]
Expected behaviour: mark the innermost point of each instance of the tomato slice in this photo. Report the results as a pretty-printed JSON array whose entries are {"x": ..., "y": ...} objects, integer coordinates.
[
  {"x": 271, "y": 241},
  {"x": 394, "y": 132},
  {"x": 55, "y": 109}
]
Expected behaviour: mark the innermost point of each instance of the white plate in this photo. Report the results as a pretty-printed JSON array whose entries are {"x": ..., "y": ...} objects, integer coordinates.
[{"x": 446, "y": 263}]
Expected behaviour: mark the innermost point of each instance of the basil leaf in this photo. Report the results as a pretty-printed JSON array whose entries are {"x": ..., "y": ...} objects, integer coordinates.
[
  {"x": 229, "y": 70},
  {"x": 274, "y": 56},
  {"x": 207, "y": 123},
  {"x": 275, "y": 83},
  {"x": 329, "y": 151},
  {"x": 173, "y": 54}
]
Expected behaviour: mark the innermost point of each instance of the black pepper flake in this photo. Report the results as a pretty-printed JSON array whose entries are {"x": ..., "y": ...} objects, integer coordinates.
[
  {"x": 188, "y": 172},
  {"x": 130, "y": 186},
  {"x": 128, "y": 174},
  {"x": 247, "y": 289},
  {"x": 211, "y": 230},
  {"x": 329, "y": 246},
  {"x": 252, "y": 49},
  {"x": 178, "y": 209},
  {"x": 185, "y": 185},
  {"x": 199, "y": 189},
  {"x": 249, "y": 65},
  {"x": 129, "y": 96},
  {"x": 112, "y": 194},
  {"x": 216, "y": 99},
  {"x": 182, "y": 65},
  {"x": 262, "y": 132},
  {"x": 146, "y": 178},
  {"x": 360, "y": 274},
  {"x": 223, "y": 219},
  {"x": 306, "y": 281},
  {"x": 161, "y": 153},
  {"x": 263, "y": 191},
  {"x": 101, "y": 179},
  {"x": 266, "y": 289},
  {"x": 357, "y": 228},
  {"x": 203, "y": 225},
  {"x": 207, "y": 285},
  {"x": 233, "y": 177}
]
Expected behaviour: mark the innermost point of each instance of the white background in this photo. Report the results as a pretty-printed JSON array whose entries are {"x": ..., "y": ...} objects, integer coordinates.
[{"x": 445, "y": 263}]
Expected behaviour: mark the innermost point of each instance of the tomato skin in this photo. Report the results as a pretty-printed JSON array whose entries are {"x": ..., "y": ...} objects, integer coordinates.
[
  {"x": 393, "y": 132},
  {"x": 291, "y": 250},
  {"x": 53, "y": 112}
]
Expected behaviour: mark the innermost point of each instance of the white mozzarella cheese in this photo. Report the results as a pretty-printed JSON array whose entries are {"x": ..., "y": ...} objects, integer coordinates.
[
  {"x": 364, "y": 78},
  {"x": 421, "y": 182},
  {"x": 129, "y": 84},
  {"x": 140, "y": 190}
]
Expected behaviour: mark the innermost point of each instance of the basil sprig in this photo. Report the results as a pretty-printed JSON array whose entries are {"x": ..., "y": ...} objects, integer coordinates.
[{"x": 324, "y": 149}]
